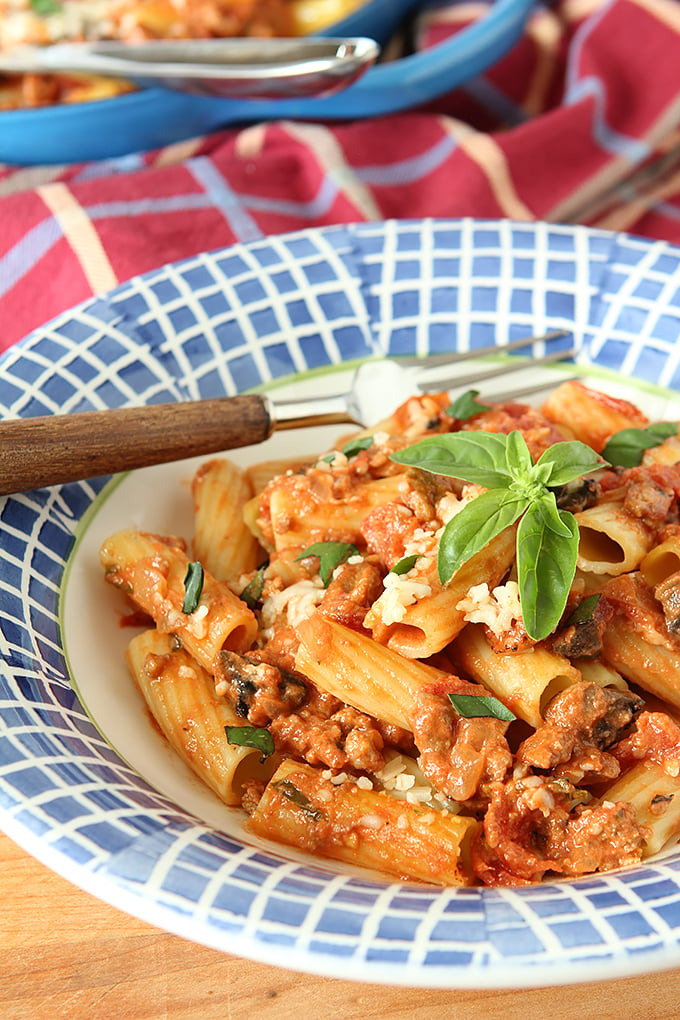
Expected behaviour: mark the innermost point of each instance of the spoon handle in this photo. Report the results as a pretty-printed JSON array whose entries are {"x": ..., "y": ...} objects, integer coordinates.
[{"x": 65, "y": 448}]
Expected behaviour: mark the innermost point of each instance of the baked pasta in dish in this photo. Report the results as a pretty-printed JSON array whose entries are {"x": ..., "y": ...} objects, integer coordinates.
[
  {"x": 447, "y": 649},
  {"x": 41, "y": 22}
]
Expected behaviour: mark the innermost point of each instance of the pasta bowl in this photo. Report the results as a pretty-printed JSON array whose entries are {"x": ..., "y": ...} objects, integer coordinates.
[
  {"x": 153, "y": 117},
  {"x": 88, "y": 787}
]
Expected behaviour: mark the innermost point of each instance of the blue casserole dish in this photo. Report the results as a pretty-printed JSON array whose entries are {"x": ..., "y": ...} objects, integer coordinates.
[{"x": 153, "y": 118}]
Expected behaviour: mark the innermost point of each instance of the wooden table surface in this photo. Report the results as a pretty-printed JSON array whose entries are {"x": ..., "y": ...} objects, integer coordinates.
[{"x": 65, "y": 954}]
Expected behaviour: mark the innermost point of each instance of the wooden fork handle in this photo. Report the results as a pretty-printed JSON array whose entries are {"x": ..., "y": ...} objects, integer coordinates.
[{"x": 70, "y": 447}]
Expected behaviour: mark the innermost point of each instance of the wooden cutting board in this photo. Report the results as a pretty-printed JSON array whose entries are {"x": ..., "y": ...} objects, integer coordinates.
[{"x": 65, "y": 954}]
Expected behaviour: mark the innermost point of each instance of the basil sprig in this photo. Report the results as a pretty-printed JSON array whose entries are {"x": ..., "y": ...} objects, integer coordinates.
[
  {"x": 625, "y": 448},
  {"x": 518, "y": 490},
  {"x": 193, "y": 586},
  {"x": 331, "y": 555},
  {"x": 251, "y": 736},
  {"x": 474, "y": 706}
]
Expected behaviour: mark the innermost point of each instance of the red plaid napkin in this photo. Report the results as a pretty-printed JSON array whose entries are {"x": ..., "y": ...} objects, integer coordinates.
[{"x": 580, "y": 123}]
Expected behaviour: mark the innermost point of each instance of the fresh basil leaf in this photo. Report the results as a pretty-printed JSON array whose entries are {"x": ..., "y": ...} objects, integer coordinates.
[
  {"x": 477, "y": 457},
  {"x": 252, "y": 593},
  {"x": 404, "y": 565},
  {"x": 290, "y": 791},
  {"x": 193, "y": 586},
  {"x": 625, "y": 448},
  {"x": 355, "y": 446},
  {"x": 473, "y": 706},
  {"x": 43, "y": 8},
  {"x": 331, "y": 555},
  {"x": 663, "y": 429},
  {"x": 466, "y": 406},
  {"x": 546, "y": 564},
  {"x": 251, "y": 736},
  {"x": 584, "y": 610},
  {"x": 568, "y": 461},
  {"x": 546, "y": 506},
  {"x": 517, "y": 456},
  {"x": 474, "y": 527}
]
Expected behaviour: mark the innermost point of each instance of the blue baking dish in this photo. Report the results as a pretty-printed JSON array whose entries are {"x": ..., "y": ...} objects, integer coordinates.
[{"x": 152, "y": 118}]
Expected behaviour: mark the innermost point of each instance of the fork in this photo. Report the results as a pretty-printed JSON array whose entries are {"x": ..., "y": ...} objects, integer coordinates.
[{"x": 53, "y": 449}]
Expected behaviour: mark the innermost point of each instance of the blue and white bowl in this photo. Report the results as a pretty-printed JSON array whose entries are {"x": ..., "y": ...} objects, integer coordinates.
[{"x": 87, "y": 785}]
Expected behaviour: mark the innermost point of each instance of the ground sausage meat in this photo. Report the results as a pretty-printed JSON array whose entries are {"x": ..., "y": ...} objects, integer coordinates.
[
  {"x": 651, "y": 492},
  {"x": 352, "y": 591},
  {"x": 305, "y": 723},
  {"x": 458, "y": 755},
  {"x": 580, "y": 724},
  {"x": 529, "y": 830},
  {"x": 347, "y": 739}
]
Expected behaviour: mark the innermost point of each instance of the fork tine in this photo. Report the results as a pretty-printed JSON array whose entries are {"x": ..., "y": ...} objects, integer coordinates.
[
  {"x": 454, "y": 358},
  {"x": 506, "y": 396},
  {"x": 512, "y": 365}
]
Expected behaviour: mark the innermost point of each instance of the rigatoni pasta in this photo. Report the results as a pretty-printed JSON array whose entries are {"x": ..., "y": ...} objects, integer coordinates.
[
  {"x": 223, "y": 542},
  {"x": 373, "y": 682},
  {"x": 181, "y": 696}
]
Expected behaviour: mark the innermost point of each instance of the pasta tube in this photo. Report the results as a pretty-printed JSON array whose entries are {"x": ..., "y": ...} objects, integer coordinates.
[
  {"x": 151, "y": 570},
  {"x": 653, "y": 666},
  {"x": 181, "y": 698},
  {"x": 222, "y": 541},
  {"x": 594, "y": 671},
  {"x": 667, "y": 452},
  {"x": 637, "y": 642},
  {"x": 356, "y": 669},
  {"x": 524, "y": 681},
  {"x": 302, "y": 513},
  {"x": 430, "y": 622},
  {"x": 259, "y": 475},
  {"x": 656, "y": 797},
  {"x": 661, "y": 562},
  {"x": 365, "y": 827},
  {"x": 611, "y": 541},
  {"x": 590, "y": 415}
]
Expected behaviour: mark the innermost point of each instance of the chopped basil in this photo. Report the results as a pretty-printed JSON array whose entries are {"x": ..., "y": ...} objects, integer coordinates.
[
  {"x": 473, "y": 706},
  {"x": 517, "y": 491},
  {"x": 355, "y": 446},
  {"x": 625, "y": 448},
  {"x": 43, "y": 8},
  {"x": 290, "y": 791},
  {"x": 251, "y": 736},
  {"x": 466, "y": 406},
  {"x": 584, "y": 610},
  {"x": 404, "y": 565},
  {"x": 331, "y": 555},
  {"x": 252, "y": 593},
  {"x": 193, "y": 586}
]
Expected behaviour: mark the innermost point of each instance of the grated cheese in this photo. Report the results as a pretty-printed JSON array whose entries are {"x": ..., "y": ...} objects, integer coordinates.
[
  {"x": 498, "y": 609},
  {"x": 400, "y": 592},
  {"x": 297, "y": 601}
]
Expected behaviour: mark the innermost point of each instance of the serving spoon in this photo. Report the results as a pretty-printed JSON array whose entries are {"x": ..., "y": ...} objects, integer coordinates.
[{"x": 244, "y": 68}]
